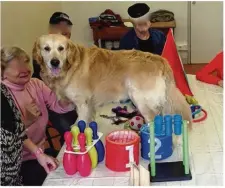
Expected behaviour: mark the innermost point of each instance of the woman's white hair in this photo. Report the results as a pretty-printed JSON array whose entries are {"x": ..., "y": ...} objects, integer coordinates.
[{"x": 10, "y": 53}]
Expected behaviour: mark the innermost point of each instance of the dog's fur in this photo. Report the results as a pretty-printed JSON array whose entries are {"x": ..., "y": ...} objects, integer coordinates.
[{"x": 90, "y": 77}]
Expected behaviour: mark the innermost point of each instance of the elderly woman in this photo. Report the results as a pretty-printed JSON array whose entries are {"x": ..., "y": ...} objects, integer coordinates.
[{"x": 31, "y": 96}]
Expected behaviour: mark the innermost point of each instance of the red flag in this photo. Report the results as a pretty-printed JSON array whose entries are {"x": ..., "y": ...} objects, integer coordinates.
[{"x": 171, "y": 54}]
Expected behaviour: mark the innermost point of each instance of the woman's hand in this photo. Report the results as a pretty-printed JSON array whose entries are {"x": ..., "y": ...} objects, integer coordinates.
[
  {"x": 41, "y": 144},
  {"x": 65, "y": 102},
  {"x": 32, "y": 113},
  {"x": 47, "y": 162},
  {"x": 220, "y": 83}
]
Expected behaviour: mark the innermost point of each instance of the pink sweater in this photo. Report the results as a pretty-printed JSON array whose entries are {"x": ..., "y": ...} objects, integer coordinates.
[{"x": 35, "y": 90}]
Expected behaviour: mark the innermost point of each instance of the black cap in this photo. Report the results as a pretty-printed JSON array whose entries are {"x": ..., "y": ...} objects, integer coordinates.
[
  {"x": 58, "y": 17},
  {"x": 138, "y": 10}
]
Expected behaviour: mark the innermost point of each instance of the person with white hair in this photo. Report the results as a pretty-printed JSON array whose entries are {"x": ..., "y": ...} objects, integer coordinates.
[{"x": 142, "y": 37}]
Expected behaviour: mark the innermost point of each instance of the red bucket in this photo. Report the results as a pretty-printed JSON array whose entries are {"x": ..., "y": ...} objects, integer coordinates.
[{"x": 122, "y": 148}]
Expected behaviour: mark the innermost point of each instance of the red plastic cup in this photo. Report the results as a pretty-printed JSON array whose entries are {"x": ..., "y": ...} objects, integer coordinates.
[{"x": 122, "y": 148}]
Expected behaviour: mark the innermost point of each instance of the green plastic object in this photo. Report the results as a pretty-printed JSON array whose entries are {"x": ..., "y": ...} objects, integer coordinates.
[
  {"x": 185, "y": 145},
  {"x": 92, "y": 152},
  {"x": 75, "y": 132},
  {"x": 152, "y": 148},
  {"x": 182, "y": 129}
]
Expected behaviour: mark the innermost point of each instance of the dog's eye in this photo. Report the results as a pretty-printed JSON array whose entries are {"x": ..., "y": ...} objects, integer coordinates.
[
  {"x": 47, "y": 48},
  {"x": 60, "y": 48}
]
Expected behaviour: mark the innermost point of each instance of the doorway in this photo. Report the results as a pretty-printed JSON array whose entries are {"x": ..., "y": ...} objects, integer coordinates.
[{"x": 205, "y": 30}]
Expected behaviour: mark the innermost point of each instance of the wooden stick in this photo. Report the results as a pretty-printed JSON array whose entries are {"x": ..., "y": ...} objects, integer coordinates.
[
  {"x": 144, "y": 176},
  {"x": 139, "y": 176}
]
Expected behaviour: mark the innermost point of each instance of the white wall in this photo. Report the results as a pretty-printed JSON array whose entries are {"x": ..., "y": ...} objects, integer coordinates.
[
  {"x": 206, "y": 30},
  {"x": 23, "y": 22},
  {"x": 81, "y": 11}
]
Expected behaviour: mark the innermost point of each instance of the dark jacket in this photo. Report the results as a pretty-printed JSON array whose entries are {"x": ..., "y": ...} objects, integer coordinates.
[
  {"x": 37, "y": 70},
  {"x": 11, "y": 140},
  {"x": 130, "y": 41}
]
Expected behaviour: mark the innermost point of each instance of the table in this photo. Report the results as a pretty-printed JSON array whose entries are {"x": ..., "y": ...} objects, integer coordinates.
[
  {"x": 206, "y": 147},
  {"x": 115, "y": 33}
]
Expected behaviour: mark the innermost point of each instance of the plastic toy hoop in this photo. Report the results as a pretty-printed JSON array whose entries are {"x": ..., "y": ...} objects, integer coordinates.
[
  {"x": 196, "y": 109},
  {"x": 202, "y": 118}
]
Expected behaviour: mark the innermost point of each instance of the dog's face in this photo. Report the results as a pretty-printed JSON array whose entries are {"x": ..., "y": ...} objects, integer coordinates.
[{"x": 53, "y": 53}]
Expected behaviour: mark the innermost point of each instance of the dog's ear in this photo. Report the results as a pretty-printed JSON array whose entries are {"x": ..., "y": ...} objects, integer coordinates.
[
  {"x": 71, "y": 52},
  {"x": 36, "y": 53}
]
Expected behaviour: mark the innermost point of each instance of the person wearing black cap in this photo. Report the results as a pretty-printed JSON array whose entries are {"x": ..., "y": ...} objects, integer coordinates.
[
  {"x": 142, "y": 37},
  {"x": 59, "y": 23}
]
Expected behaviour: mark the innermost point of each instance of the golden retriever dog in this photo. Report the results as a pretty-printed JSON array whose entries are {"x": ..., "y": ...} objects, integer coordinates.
[{"x": 90, "y": 77}]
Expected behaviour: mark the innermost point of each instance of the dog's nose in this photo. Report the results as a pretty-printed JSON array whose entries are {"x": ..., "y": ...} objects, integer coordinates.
[{"x": 54, "y": 62}]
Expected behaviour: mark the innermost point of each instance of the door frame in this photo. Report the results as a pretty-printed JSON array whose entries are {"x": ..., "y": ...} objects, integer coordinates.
[
  {"x": 189, "y": 29},
  {"x": 189, "y": 32}
]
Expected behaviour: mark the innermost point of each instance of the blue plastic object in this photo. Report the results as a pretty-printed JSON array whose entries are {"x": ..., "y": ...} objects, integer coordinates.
[
  {"x": 177, "y": 124},
  {"x": 168, "y": 125},
  {"x": 158, "y": 124},
  {"x": 192, "y": 111},
  {"x": 166, "y": 171},
  {"x": 99, "y": 145},
  {"x": 82, "y": 125},
  {"x": 163, "y": 147},
  {"x": 195, "y": 109}
]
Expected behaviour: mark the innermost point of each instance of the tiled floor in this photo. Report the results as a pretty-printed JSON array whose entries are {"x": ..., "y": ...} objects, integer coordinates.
[{"x": 205, "y": 141}]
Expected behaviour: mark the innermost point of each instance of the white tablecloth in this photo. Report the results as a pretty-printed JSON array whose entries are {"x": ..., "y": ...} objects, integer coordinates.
[{"x": 206, "y": 147}]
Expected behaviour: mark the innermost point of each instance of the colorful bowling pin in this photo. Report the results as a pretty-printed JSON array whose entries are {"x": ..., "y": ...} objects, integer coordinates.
[
  {"x": 82, "y": 125},
  {"x": 75, "y": 132},
  {"x": 99, "y": 145},
  {"x": 83, "y": 160},
  {"x": 69, "y": 159},
  {"x": 92, "y": 152}
]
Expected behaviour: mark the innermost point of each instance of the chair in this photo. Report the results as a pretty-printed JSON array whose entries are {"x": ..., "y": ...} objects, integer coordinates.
[{"x": 49, "y": 137}]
